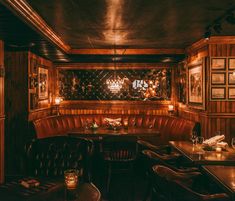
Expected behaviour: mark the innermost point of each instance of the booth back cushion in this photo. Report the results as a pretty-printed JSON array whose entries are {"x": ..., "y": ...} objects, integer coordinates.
[
  {"x": 51, "y": 156},
  {"x": 170, "y": 127}
]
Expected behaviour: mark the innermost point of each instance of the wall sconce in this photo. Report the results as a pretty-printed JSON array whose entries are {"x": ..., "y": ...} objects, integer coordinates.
[
  {"x": 171, "y": 109},
  {"x": 58, "y": 100}
]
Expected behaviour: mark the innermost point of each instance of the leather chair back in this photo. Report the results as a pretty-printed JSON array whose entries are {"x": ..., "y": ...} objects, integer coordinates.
[{"x": 50, "y": 157}]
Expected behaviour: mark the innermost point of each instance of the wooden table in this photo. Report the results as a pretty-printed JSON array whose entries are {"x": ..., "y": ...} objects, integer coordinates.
[
  {"x": 224, "y": 176},
  {"x": 51, "y": 190},
  {"x": 101, "y": 132},
  {"x": 197, "y": 155}
]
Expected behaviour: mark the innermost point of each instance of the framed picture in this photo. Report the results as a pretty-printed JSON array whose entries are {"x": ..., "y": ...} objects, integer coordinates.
[
  {"x": 33, "y": 66},
  {"x": 231, "y": 78},
  {"x": 231, "y": 63},
  {"x": 218, "y": 93},
  {"x": 196, "y": 85},
  {"x": 42, "y": 83},
  {"x": 218, "y": 78},
  {"x": 231, "y": 93},
  {"x": 218, "y": 63}
]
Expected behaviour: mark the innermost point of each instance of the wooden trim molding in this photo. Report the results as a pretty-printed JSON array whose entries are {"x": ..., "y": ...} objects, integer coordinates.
[
  {"x": 127, "y": 51},
  {"x": 111, "y": 65},
  {"x": 2, "y": 115},
  {"x": 2, "y": 169},
  {"x": 31, "y": 17},
  {"x": 213, "y": 40}
]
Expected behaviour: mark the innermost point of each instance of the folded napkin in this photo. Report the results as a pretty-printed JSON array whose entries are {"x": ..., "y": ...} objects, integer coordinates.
[
  {"x": 214, "y": 140},
  {"x": 223, "y": 145},
  {"x": 113, "y": 122}
]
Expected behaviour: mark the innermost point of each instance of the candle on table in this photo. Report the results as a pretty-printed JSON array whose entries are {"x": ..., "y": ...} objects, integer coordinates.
[
  {"x": 218, "y": 149},
  {"x": 71, "y": 179}
]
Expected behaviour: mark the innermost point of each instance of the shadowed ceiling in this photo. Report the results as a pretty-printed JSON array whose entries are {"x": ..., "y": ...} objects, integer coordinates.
[
  {"x": 94, "y": 24},
  {"x": 131, "y": 23}
]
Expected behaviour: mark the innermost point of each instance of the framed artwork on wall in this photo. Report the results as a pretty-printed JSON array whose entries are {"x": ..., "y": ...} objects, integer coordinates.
[
  {"x": 42, "y": 83},
  {"x": 218, "y": 78},
  {"x": 196, "y": 85},
  {"x": 33, "y": 66},
  {"x": 218, "y": 63},
  {"x": 218, "y": 93},
  {"x": 231, "y": 78},
  {"x": 231, "y": 93},
  {"x": 231, "y": 63}
]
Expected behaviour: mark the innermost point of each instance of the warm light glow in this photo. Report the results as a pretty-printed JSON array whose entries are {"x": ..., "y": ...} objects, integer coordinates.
[
  {"x": 218, "y": 149},
  {"x": 125, "y": 123},
  {"x": 58, "y": 100},
  {"x": 71, "y": 179},
  {"x": 115, "y": 84},
  {"x": 170, "y": 108},
  {"x": 114, "y": 22}
]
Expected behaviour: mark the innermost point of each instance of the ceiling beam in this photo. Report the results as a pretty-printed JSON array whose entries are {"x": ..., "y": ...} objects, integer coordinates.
[
  {"x": 127, "y": 51},
  {"x": 23, "y": 10}
]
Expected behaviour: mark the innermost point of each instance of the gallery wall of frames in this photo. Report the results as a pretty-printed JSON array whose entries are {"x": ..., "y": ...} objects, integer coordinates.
[{"x": 222, "y": 78}]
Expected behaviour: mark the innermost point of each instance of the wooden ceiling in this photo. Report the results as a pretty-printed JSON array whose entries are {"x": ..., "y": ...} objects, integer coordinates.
[{"x": 71, "y": 30}]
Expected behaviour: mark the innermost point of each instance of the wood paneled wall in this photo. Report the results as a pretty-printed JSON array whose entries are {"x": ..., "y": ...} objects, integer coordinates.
[
  {"x": 219, "y": 115},
  {"x": 17, "y": 130},
  {"x": 115, "y": 107},
  {"x": 2, "y": 113}
]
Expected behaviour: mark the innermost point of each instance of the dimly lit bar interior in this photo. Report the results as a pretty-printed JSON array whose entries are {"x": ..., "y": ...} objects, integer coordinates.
[{"x": 117, "y": 100}]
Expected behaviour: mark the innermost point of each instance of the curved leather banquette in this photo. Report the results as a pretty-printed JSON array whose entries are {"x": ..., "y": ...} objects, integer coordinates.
[{"x": 170, "y": 127}]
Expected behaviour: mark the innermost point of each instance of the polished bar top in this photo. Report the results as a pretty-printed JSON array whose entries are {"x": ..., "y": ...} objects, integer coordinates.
[
  {"x": 105, "y": 131},
  {"x": 224, "y": 175},
  {"x": 197, "y": 155}
]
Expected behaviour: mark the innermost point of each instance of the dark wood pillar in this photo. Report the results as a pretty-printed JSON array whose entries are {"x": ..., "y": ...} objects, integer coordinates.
[{"x": 2, "y": 113}]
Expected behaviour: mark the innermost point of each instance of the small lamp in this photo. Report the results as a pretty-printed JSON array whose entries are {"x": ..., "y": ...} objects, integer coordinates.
[
  {"x": 71, "y": 179},
  {"x": 58, "y": 100},
  {"x": 171, "y": 109}
]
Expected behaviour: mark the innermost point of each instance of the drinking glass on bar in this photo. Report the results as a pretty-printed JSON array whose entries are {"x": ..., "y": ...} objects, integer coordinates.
[{"x": 200, "y": 140}]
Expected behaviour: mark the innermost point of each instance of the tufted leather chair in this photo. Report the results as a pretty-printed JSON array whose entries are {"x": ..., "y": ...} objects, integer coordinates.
[{"x": 49, "y": 157}]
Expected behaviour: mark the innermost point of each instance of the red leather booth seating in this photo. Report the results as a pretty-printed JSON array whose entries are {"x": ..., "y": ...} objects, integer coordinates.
[{"x": 170, "y": 127}]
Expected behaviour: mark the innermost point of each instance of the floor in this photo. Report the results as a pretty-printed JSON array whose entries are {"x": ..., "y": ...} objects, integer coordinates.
[{"x": 123, "y": 187}]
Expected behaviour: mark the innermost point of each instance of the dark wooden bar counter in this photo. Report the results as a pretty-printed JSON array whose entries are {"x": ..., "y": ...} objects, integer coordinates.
[
  {"x": 224, "y": 176},
  {"x": 197, "y": 155}
]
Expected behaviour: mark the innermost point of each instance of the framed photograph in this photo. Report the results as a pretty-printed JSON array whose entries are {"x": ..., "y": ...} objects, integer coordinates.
[
  {"x": 196, "y": 85},
  {"x": 231, "y": 78},
  {"x": 42, "y": 83},
  {"x": 218, "y": 63},
  {"x": 218, "y": 93},
  {"x": 231, "y": 93},
  {"x": 33, "y": 66},
  {"x": 231, "y": 63},
  {"x": 218, "y": 78}
]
